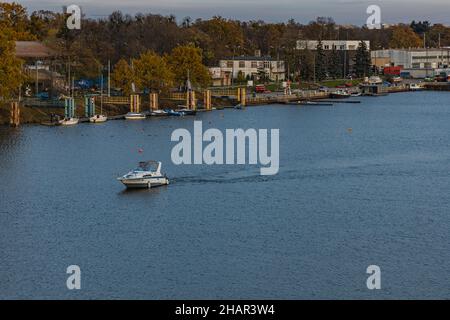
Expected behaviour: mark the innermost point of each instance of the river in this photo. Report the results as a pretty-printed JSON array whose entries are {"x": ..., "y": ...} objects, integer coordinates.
[{"x": 358, "y": 185}]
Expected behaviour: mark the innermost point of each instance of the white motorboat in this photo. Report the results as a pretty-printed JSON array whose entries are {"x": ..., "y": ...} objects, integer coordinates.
[
  {"x": 415, "y": 87},
  {"x": 135, "y": 116},
  {"x": 98, "y": 118},
  {"x": 340, "y": 94},
  {"x": 158, "y": 113},
  {"x": 147, "y": 175},
  {"x": 69, "y": 121}
]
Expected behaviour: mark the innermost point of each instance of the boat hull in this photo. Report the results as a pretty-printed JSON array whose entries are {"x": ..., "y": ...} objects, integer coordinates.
[
  {"x": 98, "y": 119},
  {"x": 69, "y": 122},
  {"x": 145, "y": 183},
  {"x": 135, "y": 116},
  {"x": 339, "y": 96}
]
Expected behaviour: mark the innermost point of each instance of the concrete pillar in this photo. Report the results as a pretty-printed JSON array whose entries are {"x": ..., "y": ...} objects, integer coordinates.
[
  {"x": 207, "y": 100},
  {"x": 135, "y": 103},
  {"x": 191, "y": 101},
  {"x": 243, "y": 97},
  {"x": 89, "y": 106},
  {"x": 69, "y": 110},
  {"x": 154, "y": 105},
  {"x": 15, "y": 114}
]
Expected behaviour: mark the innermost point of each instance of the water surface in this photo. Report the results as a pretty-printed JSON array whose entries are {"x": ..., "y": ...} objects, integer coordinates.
[{"x": 343, "y": 200}]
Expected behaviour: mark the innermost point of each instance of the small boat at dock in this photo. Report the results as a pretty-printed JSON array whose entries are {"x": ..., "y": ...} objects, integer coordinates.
[
  {"x": 135, "y": 116},
  {"x": 186, "y": 111},
  {"x": 174, "y": 113},
  {"x": 340, "y": 94},
  {"x": 158, "y": 113},
  {"x": 98, "y": 118},
  {"x": 69, "y": 121},
  {"x": 146, "y": 175}
]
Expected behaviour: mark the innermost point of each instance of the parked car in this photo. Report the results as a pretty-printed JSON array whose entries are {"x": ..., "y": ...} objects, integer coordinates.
[{"x": 260, "y": 88}]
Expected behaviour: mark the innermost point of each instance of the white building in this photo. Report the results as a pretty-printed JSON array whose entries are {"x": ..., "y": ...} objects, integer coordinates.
[
  {"x": 253, "y": 67},
  {"x": 341, "y": 45},
  {"x": 412, "y": 58}
]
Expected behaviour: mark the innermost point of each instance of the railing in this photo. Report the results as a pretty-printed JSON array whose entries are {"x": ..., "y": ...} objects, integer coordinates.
[
  {"x": 35, "y": 102},
  {"x": 113, "y": 100},
  {"x": 224, "y": 92},
  {"x": 175, "y": 96}
]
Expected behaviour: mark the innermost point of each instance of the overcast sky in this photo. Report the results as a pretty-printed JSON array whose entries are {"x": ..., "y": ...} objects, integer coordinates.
[{"x": 343, "y": 11}]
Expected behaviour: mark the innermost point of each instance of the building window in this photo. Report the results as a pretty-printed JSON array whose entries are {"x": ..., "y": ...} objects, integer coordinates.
[
  {"x": 327, "y": 47},
  {"x": 343, "y": 47},
  {"x": 241, "y": 64},
  {"x": 267, "y": 64},
  {"x": 254, "y": 64},
  {"x": 229, "y": 64}
]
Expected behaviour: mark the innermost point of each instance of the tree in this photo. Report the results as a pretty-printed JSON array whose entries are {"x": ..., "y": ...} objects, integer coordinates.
[
  {"x": 362, "y": 60},
  {"x": 187, "y": 60},
  {"x": 152, "y": 72},
  {"x": 123, "y": 77},
  {"x": 306, "y": 67},
  {"x": 404, "y": 37},
  {"x": 321, "y": 62},
  {"x": 335, "y": 64},
  {"x": 241, "y": 77},
  {"x": 11, "y": 75},
  {"x": 420, "y": 27}
]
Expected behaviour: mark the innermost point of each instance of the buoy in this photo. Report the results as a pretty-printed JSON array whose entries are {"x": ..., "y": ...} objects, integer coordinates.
[{"x": 350, "y": 130}]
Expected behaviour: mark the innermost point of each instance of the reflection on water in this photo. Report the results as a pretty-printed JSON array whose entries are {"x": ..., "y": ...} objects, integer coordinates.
[{"x": 343, "y": 200}]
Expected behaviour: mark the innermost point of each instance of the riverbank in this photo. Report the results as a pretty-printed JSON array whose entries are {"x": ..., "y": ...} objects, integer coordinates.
[{"x": 37, "y": 115}]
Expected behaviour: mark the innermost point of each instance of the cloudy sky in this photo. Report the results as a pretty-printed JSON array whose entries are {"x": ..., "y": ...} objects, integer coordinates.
[{"x": 344, "y": 11}]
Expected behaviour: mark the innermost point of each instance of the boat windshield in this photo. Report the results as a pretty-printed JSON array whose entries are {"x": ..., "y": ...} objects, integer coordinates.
[{"x": 147, "y": 166}]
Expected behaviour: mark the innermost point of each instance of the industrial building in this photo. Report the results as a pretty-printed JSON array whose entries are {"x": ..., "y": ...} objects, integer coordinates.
[
  {"x": 340, "y": 45},
  {"x": 412, "y": 58}
]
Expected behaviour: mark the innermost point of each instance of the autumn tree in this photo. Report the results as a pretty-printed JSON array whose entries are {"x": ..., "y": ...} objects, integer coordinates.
[
  {"x": 404, "y": 37},
  {"x": 123, "y": 77},
  {"x": 11, "y": 75},
  {"x": 14, "y": 17},
  {"x": 186, "y": 61},
  {"x": 152, "y": 72}
]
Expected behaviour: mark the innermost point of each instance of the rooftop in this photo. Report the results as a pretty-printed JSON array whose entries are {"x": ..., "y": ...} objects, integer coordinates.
[
  {"x": 250, "y": 58},
  {"x": 33, "y": 49}
]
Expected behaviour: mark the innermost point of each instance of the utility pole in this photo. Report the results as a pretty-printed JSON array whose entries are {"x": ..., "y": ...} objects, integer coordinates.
[
  {"x": 232, "y": 67},
  {"x": 69, "y": 80},
  {"x": 109, "y": 78},
  {"x": 37, "y": 78}
]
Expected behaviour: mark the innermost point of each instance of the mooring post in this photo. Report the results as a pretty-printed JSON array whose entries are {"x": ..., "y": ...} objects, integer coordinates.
[
  {"x": 15, "y": 114},
  {"x": 238, "y": 94}
]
